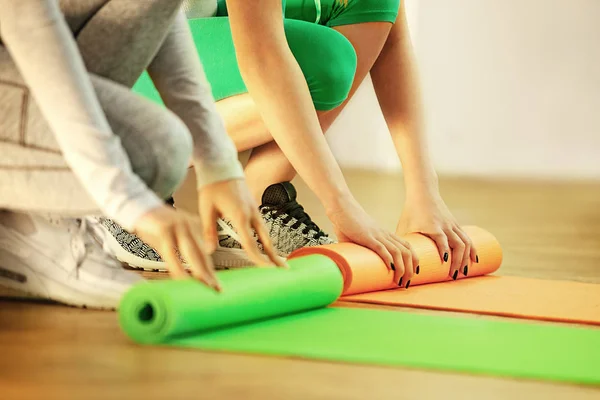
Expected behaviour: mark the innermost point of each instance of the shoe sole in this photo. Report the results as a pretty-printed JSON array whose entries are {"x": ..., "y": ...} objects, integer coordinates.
[
  {"x": 231, "y": 258},
  {"x": 222, "y": 259},
  {"x": 43, "y": 287}
]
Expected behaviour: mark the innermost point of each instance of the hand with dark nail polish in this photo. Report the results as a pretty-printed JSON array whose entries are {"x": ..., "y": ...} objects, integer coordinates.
[
  {"x": 445, "y": 257},
  {"x": 466, "y": 270},
  {"x": 477, "y": 259},
  {"x": 393, "y": 266},
  {"x": 400, "y": 283},
  {"x": 418, "y": 270},
  {"x": 455, "y": 275},
  {"x": 407, "y": 284}
]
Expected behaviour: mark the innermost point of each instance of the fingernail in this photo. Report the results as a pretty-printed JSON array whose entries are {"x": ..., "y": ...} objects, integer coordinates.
[
  {"x": 418, "y": 270},
  {"x": 400, "y": 283},
  {"x": 407, "y": 284},
  {"x": 445, "y": 257},
  {"x": 466, "y": 270},
  {"x": 455, "y": 275},
  {"x": 393, "y": 266},
  {"x": 477, "y": 259}
]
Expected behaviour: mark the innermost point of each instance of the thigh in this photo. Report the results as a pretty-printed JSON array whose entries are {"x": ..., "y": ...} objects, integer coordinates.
[
  {"x": 119, "y": 39},
  {"x": 78, "y": 12},
  {"x": 326, "y": 58},
  {"x": 156, "y": 141}
]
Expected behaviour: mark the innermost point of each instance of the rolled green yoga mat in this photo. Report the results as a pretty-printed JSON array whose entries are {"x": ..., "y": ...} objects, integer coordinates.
[{"x": 282, "y": 312}]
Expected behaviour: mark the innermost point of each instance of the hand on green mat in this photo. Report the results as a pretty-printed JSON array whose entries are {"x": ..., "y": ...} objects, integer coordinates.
[
  {"x": 352, "y": 224},
  {"x": 429, "y": 215},
  {"x": 232, "y": 200},
  {"x": 167, "y": 229}
]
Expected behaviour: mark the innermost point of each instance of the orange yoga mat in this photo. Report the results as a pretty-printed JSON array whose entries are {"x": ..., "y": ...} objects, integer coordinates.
[
  {"x": 364, "y": 271},
  {"x": 507, "y": 296},
  {"x": 368, "y": 280}
]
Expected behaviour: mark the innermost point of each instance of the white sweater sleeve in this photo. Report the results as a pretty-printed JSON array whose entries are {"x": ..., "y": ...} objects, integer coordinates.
[
  {"x": 179, "y": 77},
  {"x": 37, "y": 37}
]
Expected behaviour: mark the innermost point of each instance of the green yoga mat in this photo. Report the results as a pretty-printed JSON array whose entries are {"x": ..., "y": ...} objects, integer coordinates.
[{"x": 282, "y": 313}]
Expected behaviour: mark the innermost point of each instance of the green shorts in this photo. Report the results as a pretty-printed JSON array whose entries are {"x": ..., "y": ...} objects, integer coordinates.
[
  {"x": 335, "y": 12},
  {"x": 326, "y": 57}
]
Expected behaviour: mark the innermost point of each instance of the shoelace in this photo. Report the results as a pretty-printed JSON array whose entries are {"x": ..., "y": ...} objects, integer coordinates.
[
  {"x": 295, "y": 211},
  {"x": 225, "y": 229}
]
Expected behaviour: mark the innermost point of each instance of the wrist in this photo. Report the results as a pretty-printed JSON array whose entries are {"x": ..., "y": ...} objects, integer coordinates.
[
  {"x": 422, "y": 189},
  {"x": 337, "y": 201}
]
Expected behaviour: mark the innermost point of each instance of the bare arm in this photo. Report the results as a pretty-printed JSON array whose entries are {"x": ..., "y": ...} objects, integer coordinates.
[
  {"x": 396, "y": 85},
  {"x": 283, "y": 98}
]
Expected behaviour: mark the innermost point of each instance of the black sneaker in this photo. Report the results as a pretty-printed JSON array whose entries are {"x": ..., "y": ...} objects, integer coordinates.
[{"x": 289, "y": 227}]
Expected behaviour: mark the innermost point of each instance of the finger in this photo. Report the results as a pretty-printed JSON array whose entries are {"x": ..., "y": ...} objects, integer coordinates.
[
  {"x": 441, "y": 242},
  {"x": 196, "y": 232},
  {"x": 409, "y": 268},
  {"x": 400, "y": 267},
  {"x": 168, "y": 252},
  {"x": 249, "y": 243},
  {"x": 464, "y": 269},
  {"x": 378, "y": 247},
  {"x": 458, "y": 249},
  {"x": 259, "y": 226},
  {"x": 208, "y": 217},
  {"x": 413, "y": 253}
]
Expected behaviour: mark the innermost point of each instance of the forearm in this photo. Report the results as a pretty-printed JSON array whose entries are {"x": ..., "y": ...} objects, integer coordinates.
[
  {"x": 396, "y": 85},
  {"x": 278, "y": 87},
  {"x": 289, "y": 114},
  {"x": 179, "y": 77},
  {"x": 43, "y": 48}
]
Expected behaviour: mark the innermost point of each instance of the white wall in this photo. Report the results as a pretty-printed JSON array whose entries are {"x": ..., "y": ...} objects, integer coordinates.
[{"x": 511, "y": 88}]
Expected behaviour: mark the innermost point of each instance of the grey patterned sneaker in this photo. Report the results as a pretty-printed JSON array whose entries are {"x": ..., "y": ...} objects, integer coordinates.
[
  {"x": 130, "y": 249},
  {"x": 289, "y": 227}
]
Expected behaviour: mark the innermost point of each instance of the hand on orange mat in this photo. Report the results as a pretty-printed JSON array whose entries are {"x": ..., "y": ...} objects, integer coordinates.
[
  {"x": 364, "y": 271},
  {"x": 429, "y": 216},
  {"x": 352, "y": 224}
]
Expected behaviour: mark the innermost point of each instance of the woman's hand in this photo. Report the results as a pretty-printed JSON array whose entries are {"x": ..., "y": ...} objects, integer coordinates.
[
  {"x": 167, "y": 229},
  {"x": 352, "y": 224},
  {"x": 430, "y": 216},
  {"x": 232, "y": 200}
]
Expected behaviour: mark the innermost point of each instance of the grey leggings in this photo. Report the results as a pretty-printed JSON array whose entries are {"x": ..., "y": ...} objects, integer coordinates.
[{"x": 118, "y": 39}]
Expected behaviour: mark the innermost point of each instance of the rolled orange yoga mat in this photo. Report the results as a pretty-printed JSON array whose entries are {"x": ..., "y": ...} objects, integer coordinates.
[
  {"x": 364, "y": 271},
  {"x": 368, "y": 280}
]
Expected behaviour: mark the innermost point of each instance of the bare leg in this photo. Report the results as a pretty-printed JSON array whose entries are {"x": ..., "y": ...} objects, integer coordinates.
[{"x": 268, "y": 164}]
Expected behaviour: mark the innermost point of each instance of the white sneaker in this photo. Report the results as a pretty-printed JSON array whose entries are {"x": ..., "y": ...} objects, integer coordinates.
[{"x": 64, "y": 260}]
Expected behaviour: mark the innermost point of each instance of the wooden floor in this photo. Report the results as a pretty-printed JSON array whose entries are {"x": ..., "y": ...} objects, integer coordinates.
[{"x": 548, "y": 230}]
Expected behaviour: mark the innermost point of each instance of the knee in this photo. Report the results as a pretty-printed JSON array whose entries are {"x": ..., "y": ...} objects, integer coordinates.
[
  {"x": 173, "y": 155},
  {"x": 327, "y": 59},
  {"x": 333, "y": 79}
]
